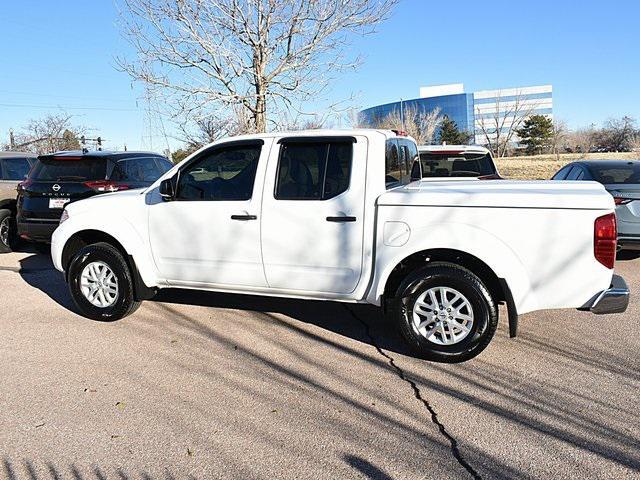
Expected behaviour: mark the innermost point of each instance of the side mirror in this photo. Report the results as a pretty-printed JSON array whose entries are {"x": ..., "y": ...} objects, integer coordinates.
[{"x": 167, "y": 192}]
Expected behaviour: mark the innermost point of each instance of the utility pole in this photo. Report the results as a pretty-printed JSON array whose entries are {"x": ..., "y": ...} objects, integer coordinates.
[
  {"x": 12, "y": 140},
  {"x": 402, "y": 113}
]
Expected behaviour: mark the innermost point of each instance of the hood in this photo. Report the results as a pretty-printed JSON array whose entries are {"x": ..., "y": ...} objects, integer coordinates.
[
  {"x": 108, "y": 200},
  {"x": 502, "y": 194}
]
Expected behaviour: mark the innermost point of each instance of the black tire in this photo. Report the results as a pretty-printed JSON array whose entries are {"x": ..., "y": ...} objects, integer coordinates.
[
  {"x": 125, "y": 303},
  {"x": 8, "y": 222},
  {"x": 485, "y": 312}
]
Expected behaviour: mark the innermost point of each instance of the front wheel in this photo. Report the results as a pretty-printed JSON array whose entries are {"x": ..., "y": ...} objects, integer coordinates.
[
  {"x": 445, "y": 313},
  {"x": 101, "y": 284}
]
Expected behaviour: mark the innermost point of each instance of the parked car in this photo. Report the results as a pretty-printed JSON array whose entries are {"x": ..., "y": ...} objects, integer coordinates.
[
  {"x": 333, "y": 215},
  {"x": 65, "y": 177},
  {"x": 457, "y": 162},
  {"x": 14, "y": 168},
  {"x": 621, "y": 178}
]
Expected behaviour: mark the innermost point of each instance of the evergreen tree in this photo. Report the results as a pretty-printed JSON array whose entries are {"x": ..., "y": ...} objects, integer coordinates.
[
  {"x": 450, "y": 134},
  {"x": 536, "y": 133}
]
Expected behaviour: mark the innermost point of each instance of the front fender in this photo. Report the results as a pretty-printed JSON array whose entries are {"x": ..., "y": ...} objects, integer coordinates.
[
  {"x": 466, "y": 238},
  {"x": 120, "y": 229}
]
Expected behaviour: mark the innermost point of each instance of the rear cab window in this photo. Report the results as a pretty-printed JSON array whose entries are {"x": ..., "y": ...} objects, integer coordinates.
[
  {"x": 402, "y": 162},
  {"x": 457, "y": 164}
]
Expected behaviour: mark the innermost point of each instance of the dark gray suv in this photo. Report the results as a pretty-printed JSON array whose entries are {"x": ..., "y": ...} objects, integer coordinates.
[
  {"x": 64, "y": 177},
  {"x": 14, "y": 168}
]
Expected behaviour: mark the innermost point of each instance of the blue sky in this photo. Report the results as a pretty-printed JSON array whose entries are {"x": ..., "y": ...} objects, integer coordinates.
[{"x": 60, "y": 55}]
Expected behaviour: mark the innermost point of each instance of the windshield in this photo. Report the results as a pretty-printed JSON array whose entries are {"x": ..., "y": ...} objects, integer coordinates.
[
  {"x": 629, "y": 173},
  {"x": 50, "y": 170},
  {"x": 456, "y": 165}
]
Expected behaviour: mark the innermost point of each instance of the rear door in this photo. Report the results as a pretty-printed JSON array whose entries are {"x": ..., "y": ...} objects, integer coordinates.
[{"x": 313, "y": 214}]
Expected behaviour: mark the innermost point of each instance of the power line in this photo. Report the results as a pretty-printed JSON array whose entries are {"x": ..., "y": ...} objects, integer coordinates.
[
  {"x": 48, "y": 95},
  {"x": 22, "y": 105}
]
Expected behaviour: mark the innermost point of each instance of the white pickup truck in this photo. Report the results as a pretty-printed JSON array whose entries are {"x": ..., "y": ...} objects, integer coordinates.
[{"x": 344, "y": 216}]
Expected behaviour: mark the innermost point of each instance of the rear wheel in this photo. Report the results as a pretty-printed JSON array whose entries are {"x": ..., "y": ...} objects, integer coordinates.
[
  {"x": 7, "y": 231},
  {"x": 445, "y": 313},
  {"x": 101, "y": 283}
]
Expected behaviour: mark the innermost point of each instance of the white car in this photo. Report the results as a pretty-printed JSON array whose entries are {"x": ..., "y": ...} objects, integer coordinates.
[
  {"x": 455, "y": 162},
  {"x": 335, "y": 215}
]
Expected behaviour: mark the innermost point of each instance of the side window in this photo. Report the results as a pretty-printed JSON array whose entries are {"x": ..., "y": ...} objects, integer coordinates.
[
  {"x": 562, "y": 174},
  {"x": 164, "y": 165},
  {"x": 575, "y": 173},
  {"x": 136, "y": 170},
  {"x": 15, "y": 168},
  {"x": 313, "y": 171},
  {"x": 220, "y": 174}
]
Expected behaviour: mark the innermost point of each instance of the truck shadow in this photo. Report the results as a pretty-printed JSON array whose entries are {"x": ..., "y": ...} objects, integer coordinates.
[
  {"x": 348, "y": 320},
  {"x": 343, "y": 319}
]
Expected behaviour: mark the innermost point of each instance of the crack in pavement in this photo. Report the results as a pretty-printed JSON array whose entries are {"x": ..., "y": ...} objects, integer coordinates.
[{"x": 455, "y": 451}]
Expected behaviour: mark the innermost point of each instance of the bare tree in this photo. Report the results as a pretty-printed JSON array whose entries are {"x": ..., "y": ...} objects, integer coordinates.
[
  {"x": 48, "y": 134},
  {"x": 617, "y": 133},
  {"x": 634, "y": 142},
  {"x": 558, "y": 137},
  {"x": 582, "y": 140},
  {"x": 205, "y": 130},
  {"x": 498, "y": 127},
  {"x": 259, "y": 55},
  {"x": 420, "y": 125}
]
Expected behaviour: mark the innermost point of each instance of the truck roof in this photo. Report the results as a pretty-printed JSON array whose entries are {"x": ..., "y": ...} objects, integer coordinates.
[
  {"x": 452, "y": 149},
  {"x": 324, "y": 132}
]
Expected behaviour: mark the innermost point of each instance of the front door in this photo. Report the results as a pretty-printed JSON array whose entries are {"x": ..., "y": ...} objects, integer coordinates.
[
  {"x": 313, "y": 214},
  {"x": 210, "y": 233}
]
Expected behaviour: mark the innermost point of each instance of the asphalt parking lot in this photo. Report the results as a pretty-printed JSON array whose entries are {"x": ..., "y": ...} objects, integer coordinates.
[{"x": 221, "y": 386}]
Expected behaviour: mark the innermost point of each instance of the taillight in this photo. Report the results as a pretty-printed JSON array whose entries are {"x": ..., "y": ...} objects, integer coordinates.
[
  {"x": 621, "y": 201},
  {"x": 605, "y": 239},
  {"x": 106, "y": 186},
  {"x": 24, "y": 184}
]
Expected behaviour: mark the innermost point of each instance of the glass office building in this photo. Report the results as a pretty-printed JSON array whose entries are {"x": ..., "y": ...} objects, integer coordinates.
[{"x": 473, "y": 112}]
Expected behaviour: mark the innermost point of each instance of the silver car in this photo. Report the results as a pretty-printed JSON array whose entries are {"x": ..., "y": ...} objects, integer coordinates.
[{"x": 621, "y": 178}]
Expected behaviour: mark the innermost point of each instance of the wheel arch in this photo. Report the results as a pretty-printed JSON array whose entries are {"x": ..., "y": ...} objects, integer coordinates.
[
  {"x": 424, "y": 257},
  {"x": 83, "y": 238},
  {"x": 9, "y": 204},
  {"x": 498, "y": 287}
]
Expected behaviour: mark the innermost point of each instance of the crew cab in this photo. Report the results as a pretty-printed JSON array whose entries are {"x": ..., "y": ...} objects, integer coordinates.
[{"x": 344, "y": 216}]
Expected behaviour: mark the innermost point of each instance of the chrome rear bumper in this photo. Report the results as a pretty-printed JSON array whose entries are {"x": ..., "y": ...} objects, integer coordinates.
[{"x": 613, "y": 300}]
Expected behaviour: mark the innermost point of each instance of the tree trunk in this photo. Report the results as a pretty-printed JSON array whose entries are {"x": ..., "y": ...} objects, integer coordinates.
[{"x": 260, "y": 116}]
